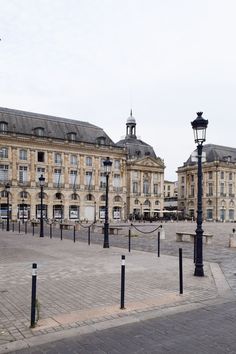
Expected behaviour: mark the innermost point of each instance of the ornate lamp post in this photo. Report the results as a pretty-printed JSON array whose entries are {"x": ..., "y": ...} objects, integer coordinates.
[
  {"x": 199, "y": 126},
  {"x": 41, "y": 183},
  {"x": 7, "y": 187},
  {"x": 107, "y": 165},
  {"x": 23, "y": 215}
]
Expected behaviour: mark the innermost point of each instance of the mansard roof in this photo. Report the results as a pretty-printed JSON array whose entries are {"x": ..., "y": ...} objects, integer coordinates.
[
  {"x": 217, "y": 153},
  {"x": 21, "y": 122}
]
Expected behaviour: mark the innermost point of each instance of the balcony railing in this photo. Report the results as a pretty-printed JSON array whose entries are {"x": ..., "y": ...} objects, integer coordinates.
[{"x": 89, "y": 188}]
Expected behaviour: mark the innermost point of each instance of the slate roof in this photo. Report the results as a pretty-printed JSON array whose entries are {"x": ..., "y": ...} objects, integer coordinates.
[
  {"x": 136, "y": 148},
  {"x": 217, "y": 153},
  {"x": 54, "y": 127}
]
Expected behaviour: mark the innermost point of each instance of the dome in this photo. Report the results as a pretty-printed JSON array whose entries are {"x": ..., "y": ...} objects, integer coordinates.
[
  {"x": 136, "y": 148},
  {"x": 131, "y": 119}
]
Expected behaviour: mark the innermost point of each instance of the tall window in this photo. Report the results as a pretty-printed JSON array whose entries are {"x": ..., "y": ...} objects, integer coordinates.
[
  {"x": 73, "y": 159},
  {"x": 4, "y": 152},
  {"x": 210, "y": 189},
  {"x": 222, "y": 175},
  {"x": 145, "y": 187},
  {"x": 209, "y": 214},
  {"x": 222, "y": 188},
  {"x": 57, "y": 158},
  {"x": 192, "y": 190},
  {"x": 230, "y": 189},
  {"x": 23, "y": 154},
  {"x": 88, "y": 161},
  {"x": 210, "y": 175},
  {"x": 57, "y": 176},
  {"x": 88, "y": 178},
  {"x": 4, "y": 173},
  {"x": 155, "y": 188},
  {"x": 73, "y": 176},
  {"x": 231, "y": 214},
  {"x": 182, "y": 191},
  {"x": 102, "y": 180},
  {"x": 117, "y": 164},
  {"x": 135, "y": 187},
  {"x": 23, "y": 174},
  {"x": 41, "y": 156},
  {"x": 116, "y": 181},
  {"x": 182, "y": 179},
  {"x": 230, "y": 176}
]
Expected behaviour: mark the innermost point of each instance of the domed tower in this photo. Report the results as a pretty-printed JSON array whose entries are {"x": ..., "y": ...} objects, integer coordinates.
[
  {"x": 136, "y": 148},
  {"x": 145, "y": 176},
  {"x": 131, "y": 126}
]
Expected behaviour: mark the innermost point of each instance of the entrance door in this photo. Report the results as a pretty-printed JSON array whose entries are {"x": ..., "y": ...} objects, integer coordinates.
[{"x": 89, "y": 213}]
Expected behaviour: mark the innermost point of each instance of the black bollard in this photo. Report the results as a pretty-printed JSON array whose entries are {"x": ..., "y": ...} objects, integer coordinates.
[
  {"x": 61, "y": 231},
  {"x": 180, "y": 271},
  {"x": 19, "y": 227},
  {"x": 33, "y": 295},
  {"x": 129, "y": 240},
  {"x": 13, "y": 226},
  {"x": 194, "y": 248},
  {"x": 89, "y": 236},
  {"x": 50, "y": 230},
  {"x": 158, "y": 243},
  {"x": 33, "y": 229},
  {"x": 74, "y": 233},
  {"x": 122, "y": 292},
  {"x": 26, "y": 227}
]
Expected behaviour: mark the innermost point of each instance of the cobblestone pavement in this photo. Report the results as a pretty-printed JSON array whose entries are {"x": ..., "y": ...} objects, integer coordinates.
[
  {"x": 209, "y": 330},
  {"x": 79, "y": 286}
]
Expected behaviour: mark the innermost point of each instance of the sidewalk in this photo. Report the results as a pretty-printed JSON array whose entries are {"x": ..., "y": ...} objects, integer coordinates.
[{"x": 78, "y": 287}]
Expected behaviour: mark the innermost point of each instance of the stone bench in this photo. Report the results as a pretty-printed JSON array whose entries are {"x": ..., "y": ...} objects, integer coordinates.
[{"x": 191, "y": 237}]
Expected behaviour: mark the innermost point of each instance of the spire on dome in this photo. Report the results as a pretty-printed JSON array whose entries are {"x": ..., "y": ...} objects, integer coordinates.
[{"x": 131, "y": 126}]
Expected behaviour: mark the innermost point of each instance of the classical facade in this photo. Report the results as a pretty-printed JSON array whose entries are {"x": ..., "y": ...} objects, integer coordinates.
[
  {"x": 219, "y": 184},
  {"x": 70, "y": 155}
]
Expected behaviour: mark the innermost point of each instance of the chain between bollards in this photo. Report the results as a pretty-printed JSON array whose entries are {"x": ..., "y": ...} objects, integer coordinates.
[
  {"x": 33, "y": 295},
  {"x": 180, "y": 271},
  {"x": 122, "y": 293}
]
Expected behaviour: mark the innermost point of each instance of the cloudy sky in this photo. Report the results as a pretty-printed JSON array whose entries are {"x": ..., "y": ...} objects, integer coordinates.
[{"x": 94, "y": 60}]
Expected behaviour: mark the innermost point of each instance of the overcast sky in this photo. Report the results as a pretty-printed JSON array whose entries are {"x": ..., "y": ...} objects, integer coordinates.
[{"x": 94, "y": 60}]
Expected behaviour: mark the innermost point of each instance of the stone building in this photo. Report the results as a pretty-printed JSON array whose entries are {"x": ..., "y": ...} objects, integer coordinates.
[
  {"x": 219, "y": 184},
  {"x": 70, "y": 155}
]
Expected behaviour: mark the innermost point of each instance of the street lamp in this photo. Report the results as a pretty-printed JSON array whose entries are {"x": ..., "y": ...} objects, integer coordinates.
[
  {"x": 199, "y": 126},
  {"x": 107, "y": 166},
  {"x": 41, "y": 183},
  {"x": 7, "y": 187},
  {"x": 23, "y": 215}
]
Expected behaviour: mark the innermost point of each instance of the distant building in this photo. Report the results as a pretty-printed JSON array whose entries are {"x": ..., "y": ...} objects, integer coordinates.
[
  {"x": 170, "y": 196},
  {"x": 219, "y": 184},
  {"x": 70, "y": 156}
]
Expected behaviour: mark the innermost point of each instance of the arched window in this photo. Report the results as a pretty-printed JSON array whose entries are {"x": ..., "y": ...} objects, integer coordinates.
[
  {"x": 23, "y": 194},
  {"x": 58, "y": 195},
  {"x": 117, "y": 198},
  {"x": 89, "y": 197},
  {"x": 147, "y": 202},
  {"x": 4, "y": 194},
  {"x": 74, "y": 196},
  {"x": 136, "y": 201},
  {"x": 103, "y": 198}
]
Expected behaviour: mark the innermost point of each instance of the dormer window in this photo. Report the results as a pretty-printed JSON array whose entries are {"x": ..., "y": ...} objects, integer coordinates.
[
  {"x": 71, "y": 136},
  {"x": 39, "y": 131},
  {"x": 101, "y": 140},
  {"x": 3, "y": 127}
]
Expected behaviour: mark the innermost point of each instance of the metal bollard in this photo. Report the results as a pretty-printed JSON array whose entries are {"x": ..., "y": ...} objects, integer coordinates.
[
  {"x": 33, "y": 294},
  {"x": 129, "y": 240},
  {"x": 89, "y": 236},
  {"x": 122, "y": 293},
  {"x": 26, "y": 227},
  {"x": 33, "y": 229},
  {"x": 61, "y": 231},
  {"x": 50, "y": 228},
  {"x": 19, "y": 227},
  {"x": 13, "y": 226},
  {"x": 180, "y": 271},
  {"x": 158, "y": 243},
  {"x": 74, "y": 233}
]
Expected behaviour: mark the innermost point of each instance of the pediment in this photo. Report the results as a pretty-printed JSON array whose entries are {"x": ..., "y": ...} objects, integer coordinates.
[{"x": 149, "y": 162}]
